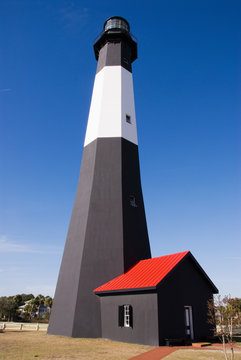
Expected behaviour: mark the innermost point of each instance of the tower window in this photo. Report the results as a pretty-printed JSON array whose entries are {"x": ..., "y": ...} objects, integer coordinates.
[
  {"x": 133, "y": 201},
  {"x": 125, "y": 316},
  {"x": 128, "y": 119}
]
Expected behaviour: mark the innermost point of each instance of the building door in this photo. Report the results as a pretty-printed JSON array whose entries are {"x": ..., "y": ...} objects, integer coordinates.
[{"x": 189, "y": 322}]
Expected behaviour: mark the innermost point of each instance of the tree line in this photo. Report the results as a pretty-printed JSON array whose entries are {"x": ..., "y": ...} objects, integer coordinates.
[{"x": 24, "y": 307}]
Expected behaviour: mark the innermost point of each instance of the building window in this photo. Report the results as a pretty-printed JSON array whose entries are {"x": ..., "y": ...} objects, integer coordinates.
[
  {"x": 125, "y": 316},
  {"x": 133, "y": 201},
  {"x": 125, "y": 60},
  {"x": 128, "y": 119}
]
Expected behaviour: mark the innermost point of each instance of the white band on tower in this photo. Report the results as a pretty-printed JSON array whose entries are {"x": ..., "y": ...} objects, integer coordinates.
[{"x": 112, "y": 109}]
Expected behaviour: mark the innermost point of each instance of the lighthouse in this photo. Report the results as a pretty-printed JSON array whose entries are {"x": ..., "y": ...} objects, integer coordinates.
[
  {"x": 107, "y": 234},
  {"x": 108, "y": 284}
]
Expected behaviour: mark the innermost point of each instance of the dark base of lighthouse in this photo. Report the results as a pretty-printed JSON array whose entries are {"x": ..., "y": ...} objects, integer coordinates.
[{"x": 107, "y": 235}]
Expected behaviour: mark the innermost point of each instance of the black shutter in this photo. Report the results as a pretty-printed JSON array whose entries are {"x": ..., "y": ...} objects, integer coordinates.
[
  {"x": 131, "y": 315},
  {"x": 121, "y": 316}
]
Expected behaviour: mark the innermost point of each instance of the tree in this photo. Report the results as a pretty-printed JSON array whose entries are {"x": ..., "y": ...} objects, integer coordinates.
[
  {"x": 39, "y": 300},
  {"x": 236, "y": 304},
  {"x": 224, "y": 315},
  {"x": 3, "y": 301},
  {"x": 8, "y": 308},
  {"x": 26, "y": 297},
  {"x": 48, "y": 301},
  {"x": 30, "y": 309},
  {"x": 18, "y": 299}
]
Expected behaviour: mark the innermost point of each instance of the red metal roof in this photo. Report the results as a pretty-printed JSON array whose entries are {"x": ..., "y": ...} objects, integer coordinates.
[{"x": 145, "y": 274}]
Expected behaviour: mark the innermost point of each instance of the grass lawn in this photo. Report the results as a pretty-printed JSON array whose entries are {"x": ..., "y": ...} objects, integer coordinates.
[
  {"x": 26, "y": 345},
  {"x": 199, "y": 355}
]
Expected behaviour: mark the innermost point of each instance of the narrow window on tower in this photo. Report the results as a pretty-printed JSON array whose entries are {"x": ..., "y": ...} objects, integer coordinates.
[
  {"x": 125, "y": 316},
  {"x": 128, "y": 119},
  {"x": 133, "y": 201}
]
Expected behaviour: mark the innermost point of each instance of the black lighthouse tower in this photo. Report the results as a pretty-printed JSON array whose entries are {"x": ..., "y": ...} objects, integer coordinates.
[{"x": 107, "y": 233}]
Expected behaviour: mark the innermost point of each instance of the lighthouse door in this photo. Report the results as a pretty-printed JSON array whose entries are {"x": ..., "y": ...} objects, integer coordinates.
[{"x": 189, "y": 322}]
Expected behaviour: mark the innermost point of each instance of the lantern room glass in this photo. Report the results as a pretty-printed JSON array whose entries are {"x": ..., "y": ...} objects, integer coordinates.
[{"x": 116, "y": 23}]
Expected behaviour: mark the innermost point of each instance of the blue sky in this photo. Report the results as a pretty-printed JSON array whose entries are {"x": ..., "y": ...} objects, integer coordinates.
[{"x": 187, "y": 96}]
